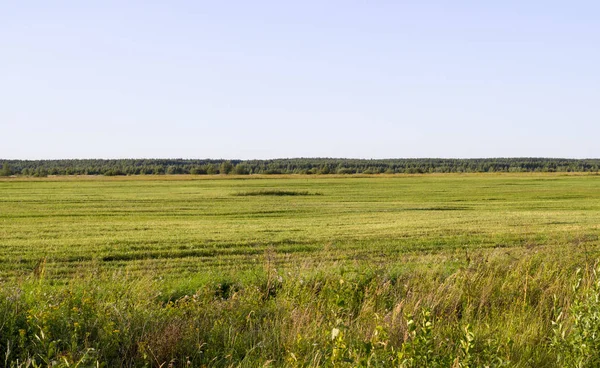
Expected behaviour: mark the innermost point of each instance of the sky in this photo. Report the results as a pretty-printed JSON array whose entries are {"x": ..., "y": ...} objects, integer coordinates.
[{"x": 275, "y": 79}]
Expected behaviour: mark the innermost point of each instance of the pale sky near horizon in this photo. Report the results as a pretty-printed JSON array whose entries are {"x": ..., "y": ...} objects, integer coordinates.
[{"x": 274, "y": 79}]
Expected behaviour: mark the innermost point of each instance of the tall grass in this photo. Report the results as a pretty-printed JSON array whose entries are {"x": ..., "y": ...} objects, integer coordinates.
[{"x": 535, "y": 310}]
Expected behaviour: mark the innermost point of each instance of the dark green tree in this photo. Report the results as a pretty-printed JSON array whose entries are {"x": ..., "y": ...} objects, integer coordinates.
[
  {"x": 226, "y": 167},
  {"x": 211, "y": 169},
  {"x": 241, "y": 169},
  {"x": 6, "y": 170}
]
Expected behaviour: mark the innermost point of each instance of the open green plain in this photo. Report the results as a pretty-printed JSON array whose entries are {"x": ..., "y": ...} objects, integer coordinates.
[
  {"x": 300, "y": 270},
  {"x": 179, "y": 226}
]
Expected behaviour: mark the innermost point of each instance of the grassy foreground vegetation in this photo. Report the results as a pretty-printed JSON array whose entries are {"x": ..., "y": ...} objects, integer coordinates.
[{"x": 395, "y": 271}]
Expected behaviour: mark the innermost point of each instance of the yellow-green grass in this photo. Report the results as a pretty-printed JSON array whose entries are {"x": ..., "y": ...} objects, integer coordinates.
[
  {"x": 180, "y": 225},
  {"x": 382, "y": 271}
]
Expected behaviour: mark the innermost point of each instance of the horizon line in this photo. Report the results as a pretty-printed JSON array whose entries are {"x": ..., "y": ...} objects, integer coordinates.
[{"x": 303, "y": 157}]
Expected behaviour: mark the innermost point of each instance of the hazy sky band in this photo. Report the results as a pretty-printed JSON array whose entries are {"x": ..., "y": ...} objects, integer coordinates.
[{"x": 261, "y": 79}]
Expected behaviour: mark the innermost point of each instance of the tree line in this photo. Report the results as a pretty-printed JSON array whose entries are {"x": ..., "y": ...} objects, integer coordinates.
[{"x": 316, "y": 166}]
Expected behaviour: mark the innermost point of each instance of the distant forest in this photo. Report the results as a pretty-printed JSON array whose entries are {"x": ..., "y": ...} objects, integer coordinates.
[{"x": 317, "y": 166}]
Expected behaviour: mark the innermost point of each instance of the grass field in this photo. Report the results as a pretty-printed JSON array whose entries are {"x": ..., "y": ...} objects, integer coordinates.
[
  {"x": 300, "y": 270},
  {"x": 177, "y": 226}
]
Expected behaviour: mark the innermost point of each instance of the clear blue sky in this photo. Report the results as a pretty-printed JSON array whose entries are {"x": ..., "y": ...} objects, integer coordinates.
[{"x": 266, "y": 79}]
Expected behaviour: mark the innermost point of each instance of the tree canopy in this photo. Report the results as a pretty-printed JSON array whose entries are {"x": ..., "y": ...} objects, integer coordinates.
[{"x": 321, "y": 166}]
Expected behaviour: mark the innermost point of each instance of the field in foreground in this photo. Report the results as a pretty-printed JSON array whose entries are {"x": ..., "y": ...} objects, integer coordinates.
[{"x": 425, "y": 270}]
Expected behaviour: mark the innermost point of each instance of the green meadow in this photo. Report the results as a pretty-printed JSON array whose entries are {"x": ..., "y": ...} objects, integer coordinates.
[{"x": 437, "y": 270}]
